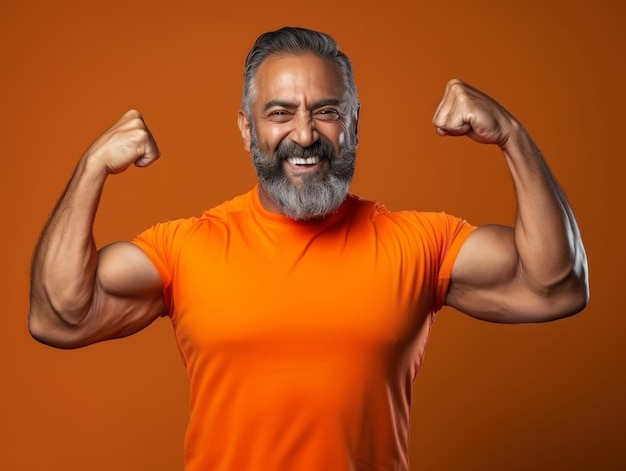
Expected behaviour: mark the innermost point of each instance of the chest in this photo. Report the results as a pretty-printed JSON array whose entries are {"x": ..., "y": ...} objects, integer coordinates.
[{"x": 298, "y": 292}]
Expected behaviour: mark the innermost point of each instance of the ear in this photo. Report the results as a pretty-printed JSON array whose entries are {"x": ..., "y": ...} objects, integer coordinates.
[
  {"x": 244, "y": 127},
  {"x": 356, "y": 124}
]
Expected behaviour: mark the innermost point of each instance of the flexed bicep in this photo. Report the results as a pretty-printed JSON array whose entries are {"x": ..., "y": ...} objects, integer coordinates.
[
  {"x": 125, "y": 271},
  {"x": 489, "y": 282},
  {"x": 126, "y": 297},
  {"x": 128, "y": 293}
]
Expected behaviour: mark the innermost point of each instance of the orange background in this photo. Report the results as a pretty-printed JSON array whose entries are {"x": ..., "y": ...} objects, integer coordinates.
[{"x": 490, "y": 397}]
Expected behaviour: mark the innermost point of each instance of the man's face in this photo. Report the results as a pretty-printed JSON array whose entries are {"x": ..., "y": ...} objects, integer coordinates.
[{"x": 301, "y": 146}]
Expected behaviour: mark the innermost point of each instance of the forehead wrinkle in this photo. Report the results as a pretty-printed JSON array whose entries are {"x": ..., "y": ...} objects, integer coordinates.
[{"x": 290, "y": 80}]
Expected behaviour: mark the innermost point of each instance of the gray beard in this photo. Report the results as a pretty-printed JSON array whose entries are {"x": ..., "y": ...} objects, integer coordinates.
[{"x": 318, "y": 194}]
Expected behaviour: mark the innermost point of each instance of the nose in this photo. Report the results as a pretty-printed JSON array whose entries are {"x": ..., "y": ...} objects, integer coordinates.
[{"x": 304, "y": 132}]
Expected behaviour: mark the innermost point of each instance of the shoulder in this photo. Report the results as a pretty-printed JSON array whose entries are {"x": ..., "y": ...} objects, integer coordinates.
[
  {"x": 223, "y": 211},
  {"x": 438, "y": 230},
  {"x": 422, "y": 221},
  {"x": 213, "y": 220}
]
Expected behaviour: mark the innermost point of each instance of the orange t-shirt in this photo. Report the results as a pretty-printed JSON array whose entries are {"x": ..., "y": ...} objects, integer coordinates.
[{"x": 302, "y": 339}]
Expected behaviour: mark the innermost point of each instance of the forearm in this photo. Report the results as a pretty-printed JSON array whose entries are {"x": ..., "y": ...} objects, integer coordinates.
[
  {"x": 547, "y": 238},
  {"x": 65, "y": 259}
]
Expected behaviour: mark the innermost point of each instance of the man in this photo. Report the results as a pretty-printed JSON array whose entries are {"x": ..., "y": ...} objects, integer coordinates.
[{"x": 302, "y": 311}]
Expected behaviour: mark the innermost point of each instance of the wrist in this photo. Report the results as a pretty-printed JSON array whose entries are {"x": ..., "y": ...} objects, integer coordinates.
[
  {"x": 91, "y": 170},
  {"x": 516, "y": 138}
]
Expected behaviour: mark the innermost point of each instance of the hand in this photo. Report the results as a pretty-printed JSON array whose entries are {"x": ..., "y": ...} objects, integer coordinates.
[
  {"x": 466, "y": 111},
  {"x": 127, "y": 142}
]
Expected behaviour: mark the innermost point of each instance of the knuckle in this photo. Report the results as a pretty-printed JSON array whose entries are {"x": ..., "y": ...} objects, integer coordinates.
[
  {"x": 462, "y": 98},
  {"x": 455, "y": 83},
  {"x": 133, "y": 120},
  {"x": 134, "y": 114},
  {"x": 458, "y": 87},
  {"x": 140, "y": 135}
]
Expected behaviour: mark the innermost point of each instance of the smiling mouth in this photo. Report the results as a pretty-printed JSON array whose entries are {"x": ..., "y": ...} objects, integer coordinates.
[{"x": 306, "y": 161}]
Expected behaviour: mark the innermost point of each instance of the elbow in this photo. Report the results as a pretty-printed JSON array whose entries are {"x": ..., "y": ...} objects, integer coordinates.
[
  {"x": 577, "y": 286},
  {"x": 581, "y": 296},
  {"x": 41, "y": 331},
  {"x": 566, "y": 293},
  {"x": 58, "y": 321},
  {"x": 38, "y": 330},
  {"x": 579, "y": 280},
  {"x": 558, "y": 299},
  {"x": 53, "y": 333},
  {"x": 570, "y": 297}
]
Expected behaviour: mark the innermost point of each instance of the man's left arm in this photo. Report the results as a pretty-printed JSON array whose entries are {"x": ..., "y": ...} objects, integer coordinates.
[{"x": 536, "y": 271}]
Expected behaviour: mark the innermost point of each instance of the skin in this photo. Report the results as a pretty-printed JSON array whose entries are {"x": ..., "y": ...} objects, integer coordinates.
[
  {"x": 79, "y": 295},
  {"x": 536, "y": 271},
  {"x": 533, "y": 272}
]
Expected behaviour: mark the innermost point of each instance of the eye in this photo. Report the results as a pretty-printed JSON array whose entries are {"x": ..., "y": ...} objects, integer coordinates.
[
  {"x": 279, "y": 116},
  {"x": 327, "y": 114}
]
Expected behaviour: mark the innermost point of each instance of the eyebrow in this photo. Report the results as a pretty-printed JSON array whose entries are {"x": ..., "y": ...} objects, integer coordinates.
[{"x": 292, "y": 105}]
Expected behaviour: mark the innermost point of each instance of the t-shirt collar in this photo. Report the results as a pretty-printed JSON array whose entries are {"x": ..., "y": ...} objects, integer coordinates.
[{"x": 281, "y": 219}]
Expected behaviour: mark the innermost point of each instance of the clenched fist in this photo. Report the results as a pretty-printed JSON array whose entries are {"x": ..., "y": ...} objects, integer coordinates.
[
  {"x": 127, "y": 142},
  {"x": 466, "y": 111}
]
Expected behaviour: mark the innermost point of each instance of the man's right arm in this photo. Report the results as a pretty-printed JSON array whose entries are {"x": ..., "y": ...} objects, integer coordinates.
[{"x": 80, "y": 295}]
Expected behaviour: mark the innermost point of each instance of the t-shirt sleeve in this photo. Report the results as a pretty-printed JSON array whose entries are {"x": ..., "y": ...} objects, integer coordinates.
[
  {"x": 429, "y": 243},
  {"x": 161, "y": 244},
  {"x": 453, "y": 232},
  {"x": 154, "y": 244}
]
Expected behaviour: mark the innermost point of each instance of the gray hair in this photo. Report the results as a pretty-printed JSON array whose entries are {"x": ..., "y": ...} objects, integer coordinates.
[{"x": 297, "y": 41}]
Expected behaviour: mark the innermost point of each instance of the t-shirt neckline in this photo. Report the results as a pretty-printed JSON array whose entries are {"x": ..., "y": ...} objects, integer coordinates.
[{"x": 280, "y": 219}]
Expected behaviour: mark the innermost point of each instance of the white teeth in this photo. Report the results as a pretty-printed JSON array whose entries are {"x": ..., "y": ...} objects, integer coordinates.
[{"x": 303, "y": 161}]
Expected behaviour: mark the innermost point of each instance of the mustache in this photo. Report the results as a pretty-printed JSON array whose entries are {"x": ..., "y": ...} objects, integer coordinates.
[{"x": 321, "y": 148}]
